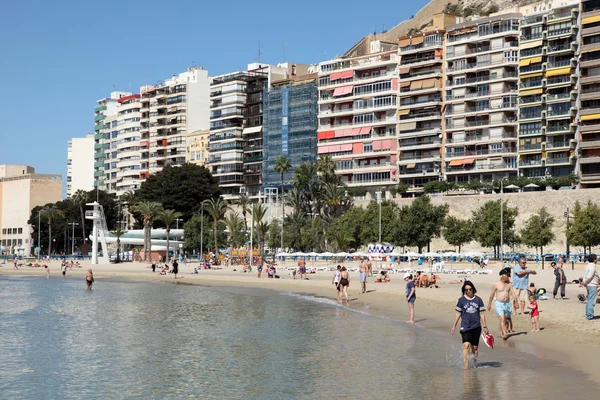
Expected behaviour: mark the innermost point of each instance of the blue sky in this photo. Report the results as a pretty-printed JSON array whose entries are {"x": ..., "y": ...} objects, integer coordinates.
[{"x": 59, "y": 57}]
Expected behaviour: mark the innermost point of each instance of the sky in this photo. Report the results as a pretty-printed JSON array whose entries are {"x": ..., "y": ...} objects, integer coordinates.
[{"x": 57, "y": 58}]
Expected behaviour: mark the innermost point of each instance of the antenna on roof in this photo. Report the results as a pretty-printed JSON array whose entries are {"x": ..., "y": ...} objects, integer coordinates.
[{"x": 259, "y": 52}]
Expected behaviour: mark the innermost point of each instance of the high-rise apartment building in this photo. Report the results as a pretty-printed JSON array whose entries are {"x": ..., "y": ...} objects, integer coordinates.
[
  {"x": 420, "y": 127},
  {"x": 548, "y": 91},
  {"x": 357, "y": 116},
  {"x": 197, "y": 147},
  {"x": 589, "y": 95},
  {"x": 80, "y": 164},
  {"x": 481, "y": 99},
  {"x": 169, "y": 111},
  {"x": 128, "y": 147},
  {"x": 289, "y": 127}
]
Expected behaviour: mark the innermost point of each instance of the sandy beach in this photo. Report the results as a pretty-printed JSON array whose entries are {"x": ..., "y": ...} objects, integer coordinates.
[{"x": 567, "y": 337}]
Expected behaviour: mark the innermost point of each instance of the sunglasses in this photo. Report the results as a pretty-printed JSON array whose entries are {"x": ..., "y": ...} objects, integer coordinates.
[{"x": 468, "y": 289}]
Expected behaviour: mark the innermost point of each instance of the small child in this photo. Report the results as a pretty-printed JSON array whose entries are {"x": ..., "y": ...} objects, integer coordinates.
[{"x": 535, "y": 312}]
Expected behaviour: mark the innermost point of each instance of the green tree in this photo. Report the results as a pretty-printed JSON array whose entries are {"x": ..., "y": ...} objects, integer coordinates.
[
  {"x": 370, "y": 223},
  {"x": 326, "y": 167},
  {"x": 243, "y": 201},
  {"x": 275, "y": 238},
  {"x": 420, "y": 222},
  {"x": 486, "y": 224},
  {"x": 438, "y": 186},
  {"x": 352, "y": 223},
  {"x": 148, "y": 212},
  {"x": 118, "y": 233},
  {"x": 282, "y": 165},
  {"x": 585, "y": 230},
  {"x": 258, "y": 213},
  {"x": 538, "y": 231},
  {"x": 51, "y": 213},
  {"x": 80, "y": 199},
  {"x": 168, "y": 217},
  {"x": 181, "y": 188},
  {"x": 457, "y": 231},
  {"x": 198, "y": 233},
  {"x": 216, "y": 209}
]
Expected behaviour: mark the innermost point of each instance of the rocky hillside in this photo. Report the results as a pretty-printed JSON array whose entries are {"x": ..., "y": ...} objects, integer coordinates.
[{"x": 471, "y": 9}]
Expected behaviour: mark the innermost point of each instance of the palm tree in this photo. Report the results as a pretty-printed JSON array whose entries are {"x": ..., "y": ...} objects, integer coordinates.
[
  {"x": 148, "y": 211},
  {"x": 294, "y": 199},
  {"x": 262, "y": 230},
  {"x": 50, "y": 213},
  {"x": 216, "y": 209},
  {"x": 118, "y": 233},
  {"x": 244, "y": 201},
  {"x": 282, "y": 165},
  {"x": 326, "y": 166},
  {"x": 168, "y": 217},
  {"x": 80, "y": 198},
  {"x": 258, "y": 213},
  {"x": 234, "y": 225},
  {"x": 128, "y": 199}
]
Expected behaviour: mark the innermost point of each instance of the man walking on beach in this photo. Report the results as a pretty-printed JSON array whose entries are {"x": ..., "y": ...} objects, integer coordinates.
[
  {"x": 521, "y": 282},
  {"x": 561, "y": 280},
  {"x": 302, "y": 269},
  {"x": 503, "y": 291},
  {"x": 363, "y": 275},
  {"x": 590, "y": 282}
]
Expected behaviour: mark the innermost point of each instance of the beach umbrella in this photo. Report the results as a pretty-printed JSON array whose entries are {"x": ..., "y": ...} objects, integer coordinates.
[
  {"x": 532, "y": 185},
  {"x": 511, "y": 187},
  {"x": 411, "y": 254},
  {"x": 450, "y": 254},
  {"x": 282, "y": 254},
  {"x": 327, "y": 255},
  {"x": 474, "y": 254}
]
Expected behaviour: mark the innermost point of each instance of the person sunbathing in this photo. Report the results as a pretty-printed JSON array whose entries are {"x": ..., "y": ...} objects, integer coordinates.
[{"x": 431, "y": 282}]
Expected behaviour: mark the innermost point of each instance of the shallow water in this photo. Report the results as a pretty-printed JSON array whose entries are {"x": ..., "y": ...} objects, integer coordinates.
[{"x": 144, "y": 340}]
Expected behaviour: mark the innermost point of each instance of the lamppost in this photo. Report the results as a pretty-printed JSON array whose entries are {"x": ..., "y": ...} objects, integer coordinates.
[
  {"x": 39, "y": 232},
  {"x": 202, "y": 233},
  {"x": 73, "y": 224},
  {"x": 177, "y": 222},
  {"x": 567, "y": 215},
  {"x": 379, "y": 195},
  {"x": 53, "y": 245},
  {"x": 501, "y": 221}
]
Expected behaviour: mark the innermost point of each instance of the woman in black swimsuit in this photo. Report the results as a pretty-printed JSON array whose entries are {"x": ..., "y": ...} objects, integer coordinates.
[{"x": 344, "y": 282}]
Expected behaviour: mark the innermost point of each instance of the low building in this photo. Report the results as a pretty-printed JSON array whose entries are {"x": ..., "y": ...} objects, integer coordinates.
[
  {"x": 21, "y": 190},
  {"x": 197, "y": 147},
  {"x": 80, "y": 164}
]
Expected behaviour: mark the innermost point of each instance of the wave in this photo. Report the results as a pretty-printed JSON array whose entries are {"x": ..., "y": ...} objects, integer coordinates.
[{"x": 328, "y": 302}]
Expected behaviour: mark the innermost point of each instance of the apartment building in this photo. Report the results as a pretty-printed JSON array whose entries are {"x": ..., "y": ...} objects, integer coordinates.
[
  {"x": 420, "y": 125},
  {"x": 128, "y": 146},
  {"x": 357, "y": 108},
  {"x": 589, "y": 95},
  {"x": 289, "y": 127},
  {"x": 169, "y": 110},
  {"x": 80, "y": 164},
  {"x": 21, "y": 190},
  {"x": 482, "y": 99},
  {"x": 548, "y": 91},
  {"x": 197, "y": 147}
]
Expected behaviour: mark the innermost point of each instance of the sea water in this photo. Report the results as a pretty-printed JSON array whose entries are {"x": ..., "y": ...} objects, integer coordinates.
[{"x": 130, "y": 339}]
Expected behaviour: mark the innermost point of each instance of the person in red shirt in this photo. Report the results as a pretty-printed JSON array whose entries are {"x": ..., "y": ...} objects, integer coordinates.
[{"x": 534, "y": 314}]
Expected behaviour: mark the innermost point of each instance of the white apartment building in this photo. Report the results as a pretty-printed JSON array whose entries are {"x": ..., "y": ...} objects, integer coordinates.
[
  {"x": 80, "y": 164},
  {"x": 128, "y": 144},
  {"x": 168, "y": 111}
]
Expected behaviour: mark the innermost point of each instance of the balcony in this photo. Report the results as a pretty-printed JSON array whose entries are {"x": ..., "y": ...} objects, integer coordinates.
[
  {"x": 589, "y": 111},
  {"x": 560, "y": 80},
  {"x": 559, "y": 64},
  {"x": 589, "y": 144},
  {"x": 563, "y": 31},
  {"x": 99, "y": 136},
  {"x": 530, "y": 163},
  {"x": 99, "y": 164},
  {"x": 475, "y": 36},
  {"x": 559, "y": 112},
  {"x": 99, "y": 146},
  {"x": 530, "y": 147},
  {"x": 484, "y": 78},
  {"x": 418, "y": 144},
  {"x": 253, "y": 159},
  {"x": 420, "y": 116},
  {"x": 98, "y": 127},
  {"x": 99, "y": 155},
  {"x": 533, "y": 36},
  {"x": 434, "y": 44},
  {"x": 99, "y": 108},
  {"x": 99, "y": 118},
  {"x": 412, "y": 61},
  {"x": 558, "y": 160},
  {"x": 531, "y": 84},
  {"x": 590, "y": 31},
  {"x": 410, "y": 158},
  {"x": 485, "y": 138},
  {"x": 98, "y": 174},
  {"x": 558, "y": 128},
  {"x": 558, "y": 96}
]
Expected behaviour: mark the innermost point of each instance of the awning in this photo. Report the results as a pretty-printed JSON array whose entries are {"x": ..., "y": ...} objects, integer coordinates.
[
  {"x": 530, "y": 92},
  {"x": 532, "y": 75},
  {"x": 589, "y": 117},
  {"x": 357, "y": 148},
  {"x": 416, "y": 85},
  {"x": 404, "y": 70},
  {"x": 342, "y": 75},
  {"x": 338, "y": 91},
  {"x": 536, "y": 60},
  {"x": 254, "y": 129},
  {"x": 377, "y": 145},
  {"x": 323, "y": 149},
  {"x": 561, "y": 71},
  {"x": 593, "y": 49},
  {"x": 404, "y": 84},
  {"x": 457, "y": 163},
  {"x": 524, "y": 63},
  {"x": 356, "y": 131},
  {"x": 365, "y": 130},
  {"x": 326, "y": 135},
  {"x": 410, "y": 166},
  {"x": 408, "y": 126},
  {"x": 531, "y": 45},
  {"x": 428, "y": 83},
  {"x": 343, "y": 133},
  {"x": 418, "y": 40},
  {"x": 404, "y": 42},
  {"x": 468, "y": 161},
  {"x": 590, "y": 20},
  {"x": 346, "y": 147},
  {"x": 404, "y": 112}
]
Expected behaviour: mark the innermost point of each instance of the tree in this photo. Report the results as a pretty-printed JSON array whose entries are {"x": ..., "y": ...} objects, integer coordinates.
[
  {"x": 486, "y": 224},
  {"x": 538, "y": 231},
  {"x": 80, "y": 199},
  {"x": 326, "y": 167},
  {"x": 275, "y": 238},
  {"x": 194, "y": 228},
  {"x": 216, "y": 209},
  {"x": 181, "y": 188},
  {"x": 282, "y": 165},
  {"x": 118, "y": 233},
  {"x": 243, "y": 201},
  {"x": 585, "y": 230},
  {"x": 148, "y": 211},
  {"x": 51, "y": 213},
  {"x": 420, "y": 222},
  {"x": 438, "y": 186},
  {"x": 352, "y": 223},
  {"x": 168, "y": 217},
  {"x": 258, "y": 213},
  {"x": 263, "y": 230},
  {"x": 370, "y": 223},
  {"x": 457, "y": 231}
]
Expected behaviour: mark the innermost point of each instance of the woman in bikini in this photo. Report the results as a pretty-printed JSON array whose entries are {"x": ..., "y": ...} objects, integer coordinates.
[
  {"x": 89, "y": 279},
  {"x": 344, "y": 282}
]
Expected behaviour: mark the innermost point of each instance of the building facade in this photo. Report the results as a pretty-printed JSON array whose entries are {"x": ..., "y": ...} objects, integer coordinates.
[
  {"x": 21, "y": 190},
  {"x": 127, "y": 149},
  {"x": 357, "y": 108},
  {"x": 289, "y": 127},
  {"x": 197, "y": 147},
  {"x": 80, "y": 164}
]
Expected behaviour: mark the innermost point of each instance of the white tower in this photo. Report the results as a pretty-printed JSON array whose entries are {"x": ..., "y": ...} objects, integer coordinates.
[{"x": 100, "y": 231}]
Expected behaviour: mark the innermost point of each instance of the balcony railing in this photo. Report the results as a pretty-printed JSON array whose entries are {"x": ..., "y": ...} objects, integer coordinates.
[
  {"x": 558, "y": 128},
  {"x": 558, "y": 80},
  {"x": 558, "y": 32},
  {"x": 558, "y": 96},
  {"x": 558, "y": 160},
  {"x": 553, "y": 112},
  {"x": 557, "y": 144},
  {"x": 473, "y": 36},
  {"x": 531, "y": 146},
  {"x": 482, "y": 79},
  {"x": 423, "y": 45},
  {"x": 558, "y": 64},
  {"x": 530, "y": 84},
  {"x": 420, "y": 115},
  {"x": 481, "y": 138},
  {"x": 532, "y": 36},
  {"x": 529, "y": 163}
]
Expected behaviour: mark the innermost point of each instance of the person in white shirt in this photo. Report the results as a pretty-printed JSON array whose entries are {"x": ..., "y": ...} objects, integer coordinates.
[{"x": 590, "y": 282}]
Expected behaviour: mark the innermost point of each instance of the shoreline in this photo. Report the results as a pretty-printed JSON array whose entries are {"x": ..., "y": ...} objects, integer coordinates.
[{"x": 559, "y": 341}]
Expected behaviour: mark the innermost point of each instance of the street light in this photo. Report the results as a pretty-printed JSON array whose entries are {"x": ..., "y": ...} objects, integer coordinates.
[
  {"x": 53, "y": 245},
  {"x": 177, "y": 222},
  {"x": 567, "y": 215},
  {"x": 380, "y": 194},
  {"x": 73, "y": 224},
  {"x": 501, "y": 221},
  {"x": 202, "y": 233},
  {"x": 39, "y": 231}
]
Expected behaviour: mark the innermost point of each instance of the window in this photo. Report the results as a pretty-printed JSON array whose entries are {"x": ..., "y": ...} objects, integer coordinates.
[
  {"x": 363, "y": 118},
  {"x": 367, "y": 147},
  {"x": 20, "y": 231}
]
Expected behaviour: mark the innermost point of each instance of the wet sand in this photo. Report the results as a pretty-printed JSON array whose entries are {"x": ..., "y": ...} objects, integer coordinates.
[{"x": 567, "y": 337}]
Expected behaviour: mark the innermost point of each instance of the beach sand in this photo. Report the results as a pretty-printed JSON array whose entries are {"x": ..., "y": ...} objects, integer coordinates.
[{"x": 567, "y": 337}]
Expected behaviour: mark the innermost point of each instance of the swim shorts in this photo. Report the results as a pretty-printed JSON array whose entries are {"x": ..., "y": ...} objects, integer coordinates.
[
  {"x": 471, "y": 336},
  {"x": 363, "y": 276},
  {"x": 503, "y": 309}
]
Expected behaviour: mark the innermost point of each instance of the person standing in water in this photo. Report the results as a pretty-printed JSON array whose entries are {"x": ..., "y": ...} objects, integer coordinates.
[
  {"x": 503, "y": 291},
  {"x": 175, "y": 268},
  {"x": 411, "y": 296},
  {"x": 471, "y": 311},
  {"x": 47, "y": 271},
  {"x": 336, "y": 281},
  {"x": 344, "y": 282},
  {"x": 363, "y": 269},
  {"x": 89, "y": 279}
]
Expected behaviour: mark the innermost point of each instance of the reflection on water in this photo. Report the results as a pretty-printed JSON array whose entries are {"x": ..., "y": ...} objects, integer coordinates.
[{"x": 127, "y": 339}]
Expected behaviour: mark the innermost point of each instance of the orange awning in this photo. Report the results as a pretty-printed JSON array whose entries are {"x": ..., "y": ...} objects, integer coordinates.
[
  {"x": 468, "y": 161},
  {"x": 405, "y": 70},
  {"x": 456, "y": 163},
  {"x": 404, "y": 84},
  {"x": 418, "y": 40}
]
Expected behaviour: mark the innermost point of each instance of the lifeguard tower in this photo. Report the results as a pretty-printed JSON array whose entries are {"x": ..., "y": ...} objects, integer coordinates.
[{"x": 99, "y": 233}]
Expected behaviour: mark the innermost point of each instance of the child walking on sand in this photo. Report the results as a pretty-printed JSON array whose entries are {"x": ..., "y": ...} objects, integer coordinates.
[
  {"x": 411, "y": 296},
  {"x": 535, "y": 312}
]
